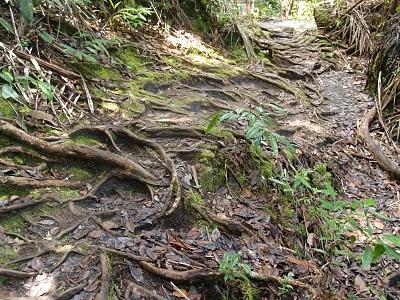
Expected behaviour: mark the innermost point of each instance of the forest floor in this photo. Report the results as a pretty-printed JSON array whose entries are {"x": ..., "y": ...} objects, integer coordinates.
[{"x": 157, "y": 209}]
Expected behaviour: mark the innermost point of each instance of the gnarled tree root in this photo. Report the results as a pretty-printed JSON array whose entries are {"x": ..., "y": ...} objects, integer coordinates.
[
  {"x": 376, "y": 151},
  {"x": 37, "y": 183},
  {"x": 227, "y": 225},
  {"x": 80, "y": 152}
]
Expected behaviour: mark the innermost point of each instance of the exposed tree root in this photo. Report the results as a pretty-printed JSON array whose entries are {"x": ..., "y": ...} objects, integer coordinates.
[
  {"x": 280, "y": 280},
  {"x": 175, "y": 187},
  {"x": 173, "y": 131},
  {"x": 376, "y": 151},
  {"x": 18, "y": 207},
  {"x": 138, "y": 290},
  {"x": 69, "y": 293},
  {"x": 226, "y": 93},
  {"x": 133, "y": 257},
  {"x": 229, "y": 226},
  {"x": 181, "y": 276},
  {"x": 16, "y": 274},
  {"x": 105, "y": 278},
  {"x": 80, "y": 152},
  {"x": 22, "y": 182},
  {"x": 282, "y": 84}
]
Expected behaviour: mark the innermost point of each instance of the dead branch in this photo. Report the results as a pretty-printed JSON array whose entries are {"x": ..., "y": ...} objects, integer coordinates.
[{"x": 47, "y": 65}]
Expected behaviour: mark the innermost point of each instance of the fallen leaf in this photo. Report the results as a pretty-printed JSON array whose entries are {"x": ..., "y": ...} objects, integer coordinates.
[
  {"x": 37, "y": 264},
  {"x": 246, "y": 193},
  {"x": 183, "y": 294},
  {"x": 311, "y": 239},
  {"x": 150, "y": 253},
  {"x": 108, "y": 225},
  {"x": 360, "y": 284},
  {"x": 96, "y": 234},
  {"x": 43, "y": 116}
]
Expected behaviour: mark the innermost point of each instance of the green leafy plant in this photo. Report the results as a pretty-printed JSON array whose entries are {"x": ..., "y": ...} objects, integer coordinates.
[
  {"x": 26, "y": 9},
  {"x": 232, "y": 268},
  {"x": 134, "y": 16},
  {"x": 235, "y": 271},
  {"x": 12, "y": 87},
  {"x": 260, "y": 127},
  {"x": 285, "y": 287},
  {"x": 6, "y": 25}
]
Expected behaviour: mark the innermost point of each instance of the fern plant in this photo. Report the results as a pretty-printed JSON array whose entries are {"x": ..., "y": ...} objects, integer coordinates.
[{"x": 260, "y": 127}]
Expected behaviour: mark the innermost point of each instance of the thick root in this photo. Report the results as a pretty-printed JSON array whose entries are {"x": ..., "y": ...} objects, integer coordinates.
[{"x": 376, "y": 151}]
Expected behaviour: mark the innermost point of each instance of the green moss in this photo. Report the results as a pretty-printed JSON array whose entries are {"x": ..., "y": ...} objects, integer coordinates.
[
  {"x": 13, "y": 223},
  {"x": 65, "y": 193},
  {"x": 86, "y": 139},
  {"x": 195, "y": 197},
  {"x": 237, "y": 53},
  {"x": 79, "y": 173},
  {"x": 226, "y": 135},
  {"x": 130, "y": 57},
  {"x": 211, "y": 170},
  {"x": 264, "y": 165},
  {"x": 5, "y": 141},
  {"x": 95, "y": 70},
  {"x": 132, "y": 107},
  {"x": 7, "y": 254},
  {"x": 6, "y": 191},
  {"x": 6, "y": 109},
  {"x": 22, "y": 159},
  {"x": 320, "y": 169}
]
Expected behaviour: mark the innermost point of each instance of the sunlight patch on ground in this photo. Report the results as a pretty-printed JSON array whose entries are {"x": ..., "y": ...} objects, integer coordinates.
[
  {"x": 40, "y": 285},
  {"x": 287, "y": 25}
]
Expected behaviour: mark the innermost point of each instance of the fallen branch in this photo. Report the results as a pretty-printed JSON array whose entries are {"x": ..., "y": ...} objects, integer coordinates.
[
  {"x": 47, "y": 65},
  {"x": 376, "y": 151}
]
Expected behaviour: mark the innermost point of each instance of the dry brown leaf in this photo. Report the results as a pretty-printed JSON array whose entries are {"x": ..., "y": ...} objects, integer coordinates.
[
  {"x": 246, "y": 193},
  {"x": 108, "y": 225},
  {"x": 360, "y": 284}
]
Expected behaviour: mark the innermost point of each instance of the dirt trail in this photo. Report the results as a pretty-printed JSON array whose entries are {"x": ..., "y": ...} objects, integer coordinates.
[{"x": 124, "y": 229}]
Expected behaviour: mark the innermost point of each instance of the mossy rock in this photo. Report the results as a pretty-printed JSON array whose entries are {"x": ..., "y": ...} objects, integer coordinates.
[{"x": 132, "y": 107}]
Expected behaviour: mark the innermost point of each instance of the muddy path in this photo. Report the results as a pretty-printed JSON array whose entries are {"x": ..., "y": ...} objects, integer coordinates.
[{"x": 171, "y": 209}]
